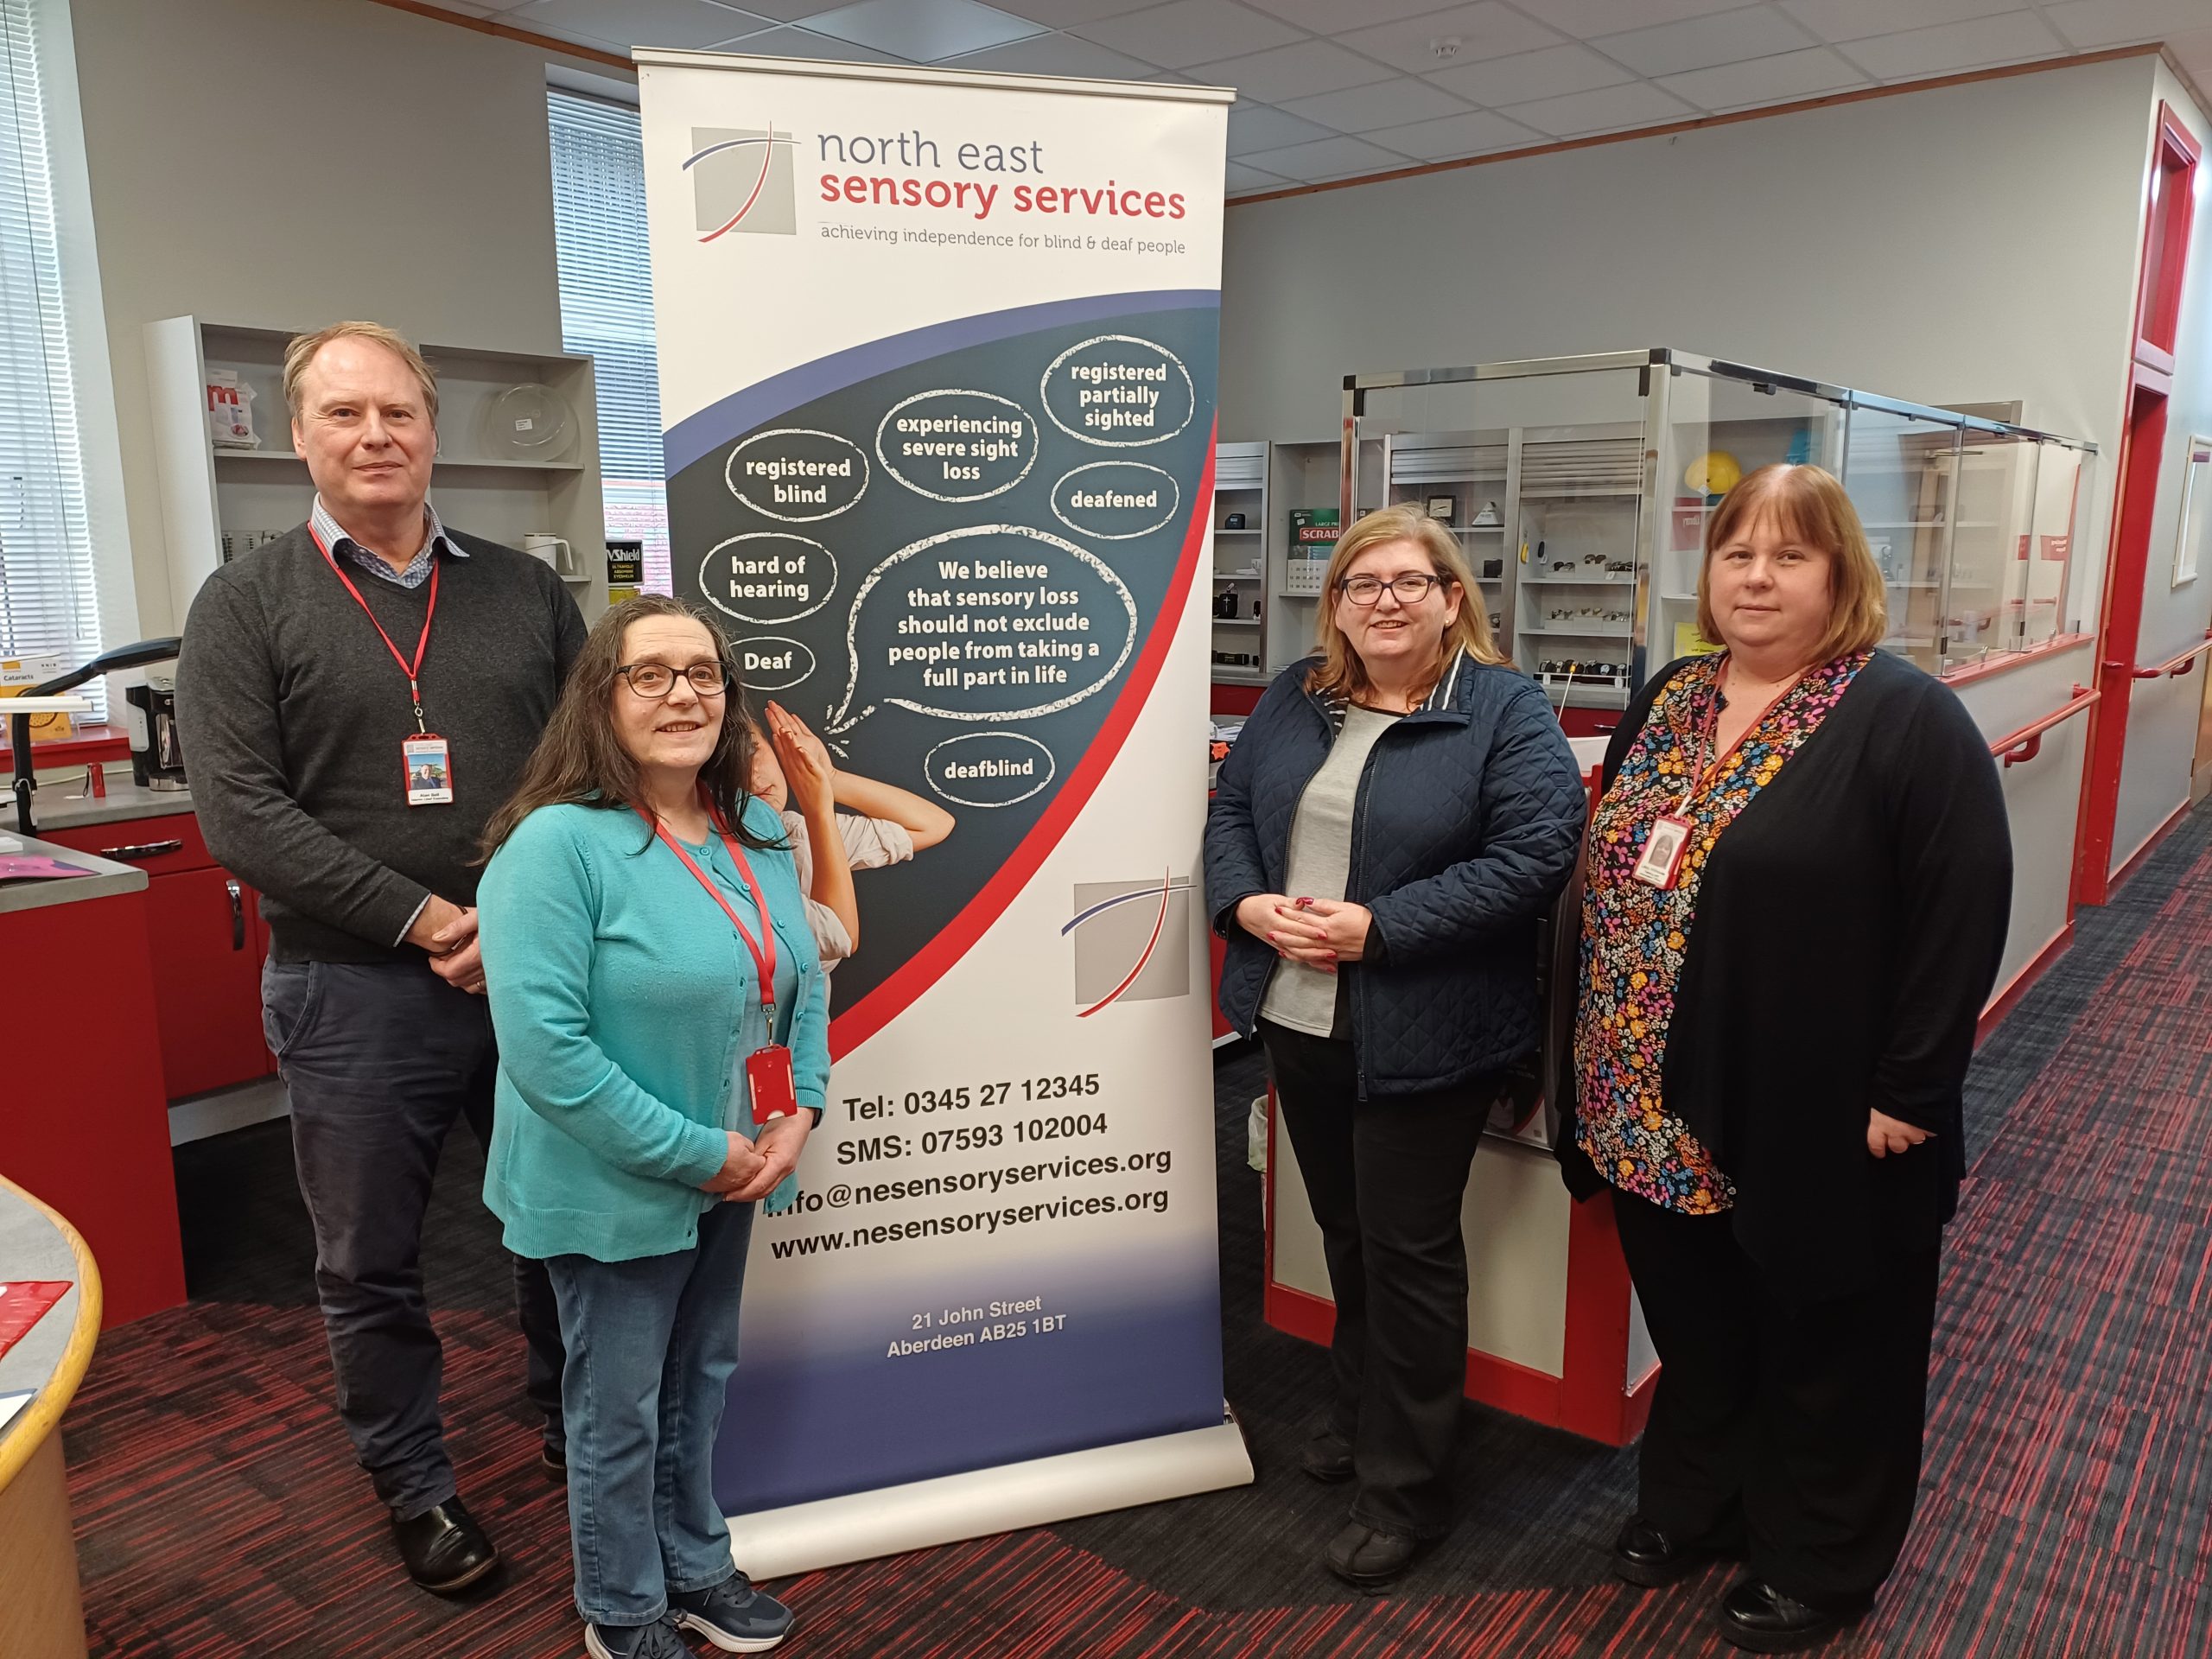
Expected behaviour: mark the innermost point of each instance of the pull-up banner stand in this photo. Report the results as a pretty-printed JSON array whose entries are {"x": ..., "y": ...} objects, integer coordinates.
[{"x": 937, "y": 358}]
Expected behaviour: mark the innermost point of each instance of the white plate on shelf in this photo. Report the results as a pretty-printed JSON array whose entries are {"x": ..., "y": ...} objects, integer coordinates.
[{"x": 527, "y": 422}]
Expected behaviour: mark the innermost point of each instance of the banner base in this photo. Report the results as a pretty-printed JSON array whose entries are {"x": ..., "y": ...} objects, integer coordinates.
[{"x": 860, "y": 1526}]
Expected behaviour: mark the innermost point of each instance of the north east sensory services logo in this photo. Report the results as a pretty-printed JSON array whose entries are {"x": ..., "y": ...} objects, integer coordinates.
[{"x": 741, "y": 180}]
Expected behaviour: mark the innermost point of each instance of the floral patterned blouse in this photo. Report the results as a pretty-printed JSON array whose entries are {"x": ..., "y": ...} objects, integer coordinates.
[{"x": 1634, "y": 935}]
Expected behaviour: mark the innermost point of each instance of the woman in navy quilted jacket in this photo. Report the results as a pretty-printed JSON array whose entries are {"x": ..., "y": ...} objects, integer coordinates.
[{"x": 1399, "y": 810}]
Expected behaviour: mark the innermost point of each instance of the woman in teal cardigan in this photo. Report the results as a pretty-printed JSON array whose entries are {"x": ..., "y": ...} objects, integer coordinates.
[{"x": 625, "y": 955}]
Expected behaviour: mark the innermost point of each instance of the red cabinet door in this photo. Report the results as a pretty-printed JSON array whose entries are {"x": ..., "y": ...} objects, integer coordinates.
[{"x": 204, "y": 928}]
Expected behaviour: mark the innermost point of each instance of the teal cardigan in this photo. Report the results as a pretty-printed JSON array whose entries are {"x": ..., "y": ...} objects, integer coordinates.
[{"x": 616, "y": 989}]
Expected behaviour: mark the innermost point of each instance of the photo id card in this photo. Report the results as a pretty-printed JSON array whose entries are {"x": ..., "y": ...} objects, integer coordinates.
[
  {"x": 1664, "y": 848},
  {"x": 429, "y": 771},
  {"x": 768, "y": 1075}
]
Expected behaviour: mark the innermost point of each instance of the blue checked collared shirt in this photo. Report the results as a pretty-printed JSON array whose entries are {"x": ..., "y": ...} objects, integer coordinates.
[{"x": 332, "y": 536}]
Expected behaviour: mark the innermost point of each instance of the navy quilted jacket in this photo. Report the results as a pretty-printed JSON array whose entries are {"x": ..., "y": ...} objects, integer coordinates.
[{"x": 1465, "y": 830}]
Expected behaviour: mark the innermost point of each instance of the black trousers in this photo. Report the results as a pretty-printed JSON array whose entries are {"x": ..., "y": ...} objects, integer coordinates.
[
  {"x": 1790, "y": 1429},
  {"x": 379, "y": 1060},
  {"x": 1386, "y": 1179}
]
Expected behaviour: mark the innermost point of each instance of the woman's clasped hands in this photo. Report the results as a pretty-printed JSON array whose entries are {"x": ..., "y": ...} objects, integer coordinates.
[
  {"x": 753, "y": 1169},
  {"x": 1319, "y": 933}
]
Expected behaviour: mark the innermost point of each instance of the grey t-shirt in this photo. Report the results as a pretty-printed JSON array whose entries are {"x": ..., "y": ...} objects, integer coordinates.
[{"x": 1320, "y": 863}]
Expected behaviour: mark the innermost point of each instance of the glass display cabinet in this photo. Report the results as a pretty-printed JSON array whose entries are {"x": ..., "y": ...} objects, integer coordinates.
[{"x": 1579, "y": 487}]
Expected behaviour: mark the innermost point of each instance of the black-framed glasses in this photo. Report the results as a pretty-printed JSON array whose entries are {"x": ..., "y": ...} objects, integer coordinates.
[
  {"x": 1411, "y": 588},
  {"x": 658, "y": 679}
]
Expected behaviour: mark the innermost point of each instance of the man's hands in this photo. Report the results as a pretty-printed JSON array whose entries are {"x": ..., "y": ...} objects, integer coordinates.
[
  {"x": 1886, "y": 1135},
  {"x": 1319, "y": 933},
  {"x": 754, "y": 1169},
  {"x": 448, "y": 933}
]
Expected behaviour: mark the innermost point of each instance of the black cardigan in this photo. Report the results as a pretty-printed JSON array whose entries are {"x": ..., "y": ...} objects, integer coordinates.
[{"x": 1848, "y": 929}]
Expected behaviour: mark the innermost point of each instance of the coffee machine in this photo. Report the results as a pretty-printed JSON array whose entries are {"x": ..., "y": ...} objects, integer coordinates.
[{"x": 156, "y": 757}]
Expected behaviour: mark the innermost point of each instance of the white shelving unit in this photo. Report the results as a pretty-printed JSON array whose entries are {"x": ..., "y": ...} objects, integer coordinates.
[
  {"x": 216, "y": 503},
  {"x": 1240, "y": 565}
]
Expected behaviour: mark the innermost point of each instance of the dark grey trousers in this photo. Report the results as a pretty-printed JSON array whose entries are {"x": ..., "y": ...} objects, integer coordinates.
[{"x": 379, "y": 1060}]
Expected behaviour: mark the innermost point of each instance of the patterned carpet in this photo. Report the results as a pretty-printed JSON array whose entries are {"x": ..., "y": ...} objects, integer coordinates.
[{"x": 2066, "y": 1507}]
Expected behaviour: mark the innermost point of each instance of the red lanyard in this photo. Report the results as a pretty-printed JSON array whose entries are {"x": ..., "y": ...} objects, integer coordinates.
[
  {"x": 763, "y": 950},
  {"x": 411, "y": 670},
  {"x": 1711, "y": 726}
]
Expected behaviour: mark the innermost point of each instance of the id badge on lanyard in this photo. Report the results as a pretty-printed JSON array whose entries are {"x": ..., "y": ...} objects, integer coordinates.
[
  {"x": 425, "y": 759},
  {"x": 1665, "y": 846},
  {"x": 768, "y": 1075}
]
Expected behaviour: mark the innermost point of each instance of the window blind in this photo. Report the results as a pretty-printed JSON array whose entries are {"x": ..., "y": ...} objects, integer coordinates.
[
  {"x": 606, "y": 308},
  {"x": 47, "y": 601}
]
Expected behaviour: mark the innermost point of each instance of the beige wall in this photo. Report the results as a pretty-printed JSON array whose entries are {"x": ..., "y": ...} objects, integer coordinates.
[{"x": 376, "y": 163}]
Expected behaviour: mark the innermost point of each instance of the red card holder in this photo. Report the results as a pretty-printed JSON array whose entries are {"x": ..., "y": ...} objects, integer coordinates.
[{"x": 768, "y": 1076}]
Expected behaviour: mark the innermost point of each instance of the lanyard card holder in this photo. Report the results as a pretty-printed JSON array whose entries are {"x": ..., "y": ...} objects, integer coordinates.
[
  {"x": 1665, "y": 845},
  {"x": 428, "y": 770},
  {"x": 768, "y": 1077}
]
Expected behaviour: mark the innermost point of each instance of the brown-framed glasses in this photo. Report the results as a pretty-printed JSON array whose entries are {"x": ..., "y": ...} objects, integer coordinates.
[{"x": 658, "y": 679}]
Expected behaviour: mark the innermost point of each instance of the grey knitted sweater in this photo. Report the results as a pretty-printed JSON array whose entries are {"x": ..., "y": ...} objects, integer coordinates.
[{"x": 292, "y": 711}]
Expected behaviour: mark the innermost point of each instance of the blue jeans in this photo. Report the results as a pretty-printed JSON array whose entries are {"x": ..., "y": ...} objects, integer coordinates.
[
  {"x": 652, "y": 1343},
  {"x": 379, "y": 1059}
]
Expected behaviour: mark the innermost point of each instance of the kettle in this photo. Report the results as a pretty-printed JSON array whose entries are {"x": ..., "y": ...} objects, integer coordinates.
[{"x": 156, "y": 756}]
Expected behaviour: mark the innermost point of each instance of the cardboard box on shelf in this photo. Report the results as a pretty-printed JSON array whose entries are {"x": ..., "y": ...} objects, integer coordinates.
[{"x": 19, "y": 674}]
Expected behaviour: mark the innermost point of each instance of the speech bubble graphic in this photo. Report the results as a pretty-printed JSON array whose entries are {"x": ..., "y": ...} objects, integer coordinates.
[
  {"x": 988, "y": 768},
  {"x": 797, "y": 474},
  {"x": 770, "y": 662},
  {"x": 1118, "y": 500},
  {"x": 1016, "y": 628},
  {"x": 1118, "y": 383},
  {"x": 767, "y": 576},
  {"x": 952, "y": 445}
]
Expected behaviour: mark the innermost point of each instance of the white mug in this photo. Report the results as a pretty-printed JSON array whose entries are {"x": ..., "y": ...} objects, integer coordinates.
[{"x": 550, "y": 549}]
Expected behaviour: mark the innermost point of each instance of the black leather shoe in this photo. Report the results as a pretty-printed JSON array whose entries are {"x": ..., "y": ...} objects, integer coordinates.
[
  {"x": 553, "y": 1459},
  {"x": 1643, "y": 1554},
  {"x": 1327, "y": 1458},
  {"x": 444, "y": 1549},
  {"x": 1370, "y": 1559},
  {"x": 1757, "y": 1616}
]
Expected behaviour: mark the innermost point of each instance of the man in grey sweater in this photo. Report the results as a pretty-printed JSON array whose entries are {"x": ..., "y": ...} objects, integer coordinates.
[{"x": 355, "y": 699}]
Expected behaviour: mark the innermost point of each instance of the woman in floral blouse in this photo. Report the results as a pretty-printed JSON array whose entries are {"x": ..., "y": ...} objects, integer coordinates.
[{"x": 1799, "y": 881}]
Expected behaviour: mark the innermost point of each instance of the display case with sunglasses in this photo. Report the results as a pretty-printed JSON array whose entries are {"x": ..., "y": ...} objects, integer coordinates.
[{"x": 1604, "y": 469}]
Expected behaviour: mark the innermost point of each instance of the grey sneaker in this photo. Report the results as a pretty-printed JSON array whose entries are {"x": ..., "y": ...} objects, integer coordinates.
[
  {"x": 657, "y": 1640},
  {"x": 733, "y": 1615}
]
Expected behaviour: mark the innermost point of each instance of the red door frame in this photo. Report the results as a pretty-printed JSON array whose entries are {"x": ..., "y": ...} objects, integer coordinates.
[{"x": 2167, "y": 228}]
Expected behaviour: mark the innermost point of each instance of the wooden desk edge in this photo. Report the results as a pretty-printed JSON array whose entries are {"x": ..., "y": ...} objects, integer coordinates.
[{"x": 43, "y": 1416}]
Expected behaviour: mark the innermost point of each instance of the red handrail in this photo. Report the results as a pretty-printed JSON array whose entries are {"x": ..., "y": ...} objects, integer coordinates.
[
  {"x": 2175, "y": 667},
  {"x": 2027, "y": 743}
]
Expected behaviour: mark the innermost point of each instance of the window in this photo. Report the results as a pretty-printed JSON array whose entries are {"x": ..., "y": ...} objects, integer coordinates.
[
  {"x": 606, "y": 308},
  {"x": 47, "y": 598}
]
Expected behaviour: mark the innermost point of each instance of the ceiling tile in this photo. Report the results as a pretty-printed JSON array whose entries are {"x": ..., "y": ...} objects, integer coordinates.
[
  {"x": 1055, "y": 54},
  {"x": 1383, "y": 103},
  {"x": 1854, "y": 20},
  {"x": 1329, "y": 16},
  {"x": 1463, "y": 34},
  {"x": 1243, "y": 178},
  {"x": 637, "y": 22},
  {"x": 1261, "y": 126},
  {"x": 1175, "y": 36},
  {"x": 1552, "y": 72},
  {"x": 1701, "y": 42},
  {"x": 789, "y": 43},
  {"x": 1639, "y": 103},
  {"x": 1289, "y": 72},
  {"x": 2119, "y": 22},
  {"x": 1765, "y": 80},
  {"x": 1327, "y": 158},
  {"x": 1065, "y": 14},
  {"x": 783, "y": 11},
  {"x": 2005, "y": 39},
  {"x": 463, "y": 9},
  {"x": 922, "y": 31},
  {"x": 1457, "y": 135},
  {"x": 1586, "y": 19}
]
